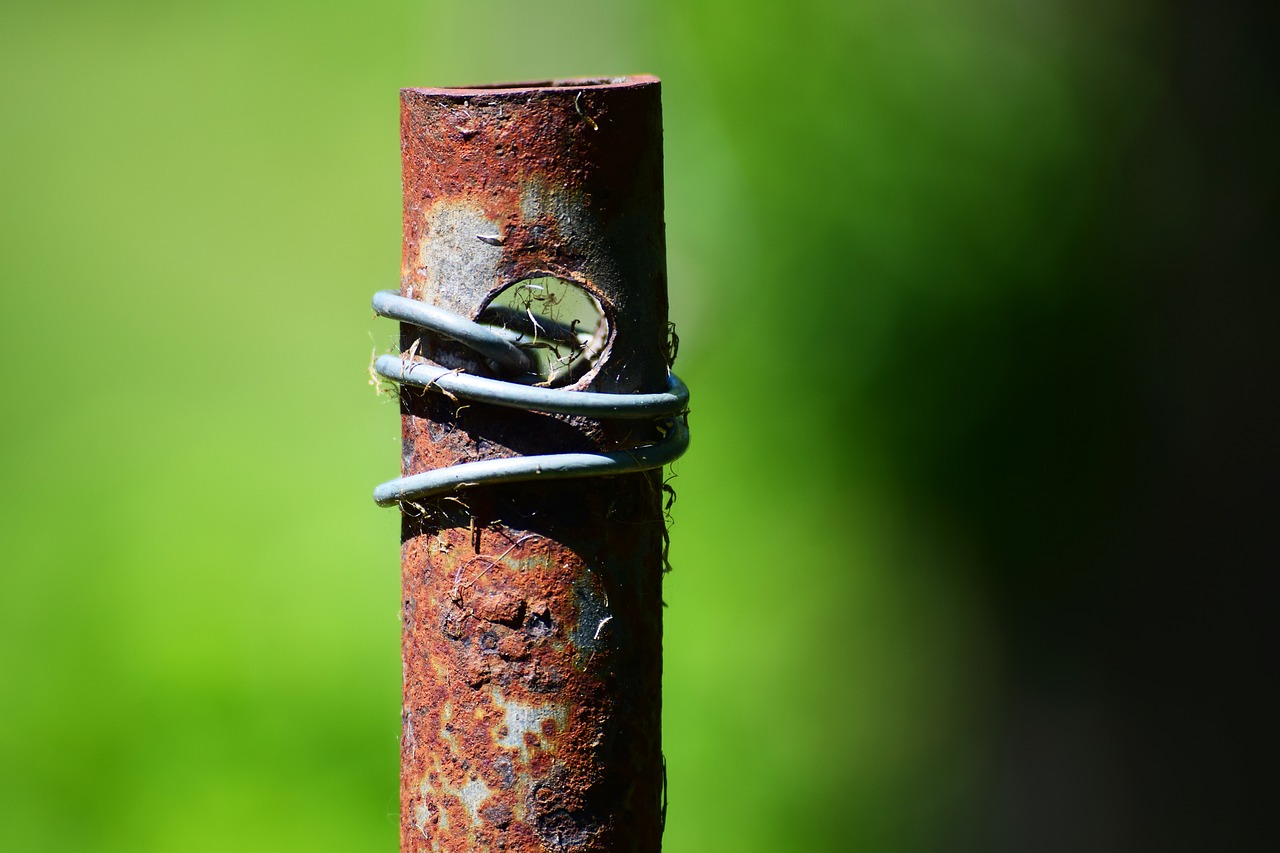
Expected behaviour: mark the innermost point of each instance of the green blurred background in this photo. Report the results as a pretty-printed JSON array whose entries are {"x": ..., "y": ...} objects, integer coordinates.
[{"x": 962, "y": 293}]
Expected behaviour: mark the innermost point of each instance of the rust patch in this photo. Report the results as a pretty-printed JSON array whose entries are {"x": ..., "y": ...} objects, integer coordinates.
[{"x": 532, "y": 613}]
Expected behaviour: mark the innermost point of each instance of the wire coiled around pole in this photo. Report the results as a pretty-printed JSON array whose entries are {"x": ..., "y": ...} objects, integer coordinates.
[{"x": 667, "y": 408}]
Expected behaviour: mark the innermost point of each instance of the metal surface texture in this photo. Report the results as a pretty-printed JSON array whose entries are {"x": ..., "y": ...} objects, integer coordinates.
[{"x": 532, "y": 610}]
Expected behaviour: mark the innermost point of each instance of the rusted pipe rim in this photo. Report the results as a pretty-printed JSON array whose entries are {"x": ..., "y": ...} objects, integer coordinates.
[{"x": 544, "y": 85}]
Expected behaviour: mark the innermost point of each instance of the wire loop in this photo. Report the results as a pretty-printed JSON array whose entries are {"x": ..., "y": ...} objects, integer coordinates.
[{"x": 669, "y": 408}]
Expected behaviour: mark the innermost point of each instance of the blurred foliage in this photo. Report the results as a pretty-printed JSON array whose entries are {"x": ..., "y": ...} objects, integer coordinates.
[{"x": 888, "y": 227}]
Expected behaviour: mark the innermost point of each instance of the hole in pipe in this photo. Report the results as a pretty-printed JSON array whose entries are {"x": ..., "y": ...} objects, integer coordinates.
[{"x": 560, "y": 326}]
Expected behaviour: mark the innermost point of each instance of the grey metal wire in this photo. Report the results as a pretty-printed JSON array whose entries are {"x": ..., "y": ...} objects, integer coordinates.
[
  {"x": 513, "y": 395},
  {"x": 480, "y": 338},
  {"x": 668, "y": 408}
]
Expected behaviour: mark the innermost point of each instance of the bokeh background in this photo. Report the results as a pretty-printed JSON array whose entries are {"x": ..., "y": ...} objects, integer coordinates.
[{"x": 973, "y": 298}]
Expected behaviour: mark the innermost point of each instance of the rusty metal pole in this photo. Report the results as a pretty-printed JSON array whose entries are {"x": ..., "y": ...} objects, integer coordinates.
[{"x": 532, "y": 612}]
